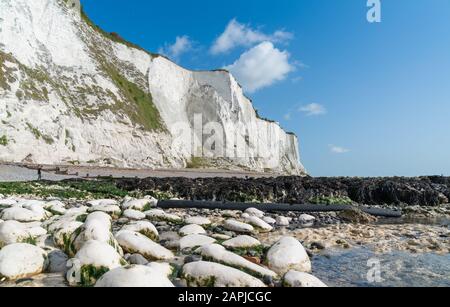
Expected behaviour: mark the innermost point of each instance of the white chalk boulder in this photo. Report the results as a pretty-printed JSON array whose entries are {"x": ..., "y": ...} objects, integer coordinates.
[
  {"x": 218, "y": 253},
  {"x": 254, "y": 212},
  {"x": 23, "y": 215},
  {"x": 92, "y": 230},
  {"x": 12, "y": 232},
  {"x": 306, "y": 219},
  {"x": 295, "y": 279},
  {"x": 8, "y": 202},
  {"x": 269, "y": 220},
  {"x": 198, "y": 220},
  {"x": 143, "y": 227},
  {"x": 136, "y": 243},
  {"x": 259, "y": 224},
  {"x": 282, "y": 221},
  {"x": 92, "y": 261},
  {"x": 102, "y": 202},
  {"x": 139, "y": 204},
  {"x": 101, "y": 217},
  {"x": 193, "y": 241},
  {"x": 113, "y": 210},
  {"x": 56, "y": 207},
  {"x": 134, "y": 276},
  {"x": 62, "y": 236},
  {"x": 160, "y": 215},
  {"x": 210, "y": 274},
  {"x": 288, "y": 254},
  {"x": 162, "y": 267},
  {"x": 245, "y": 242},
  {"x": 193, "y": 229},
  {"x": 237, "y": 226},
  {"x": 133, "y": 214},
  {"x": 21, "y": 260}
]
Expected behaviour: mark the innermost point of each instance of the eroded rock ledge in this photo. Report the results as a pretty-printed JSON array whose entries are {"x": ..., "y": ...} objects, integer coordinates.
[{"x": 419, "y": 191}]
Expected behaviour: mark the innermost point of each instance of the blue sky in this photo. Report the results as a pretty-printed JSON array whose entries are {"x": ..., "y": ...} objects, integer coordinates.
[{"x": 365, "y": 99}]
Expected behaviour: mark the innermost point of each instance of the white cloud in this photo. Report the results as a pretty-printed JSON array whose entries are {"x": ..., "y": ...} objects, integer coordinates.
[
  {"x": 288, "y": 116},
  {"x": 338, "y": 149},
  {"x": 237, "y": 34},
  {"x": 313, "y": 109},
  {"x": 182, "y": 45},
  {"x": 261, "y": 66}
]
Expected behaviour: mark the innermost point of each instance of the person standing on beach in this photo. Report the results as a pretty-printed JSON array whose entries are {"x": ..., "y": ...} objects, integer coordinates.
[{"x": 39, "y": 172}]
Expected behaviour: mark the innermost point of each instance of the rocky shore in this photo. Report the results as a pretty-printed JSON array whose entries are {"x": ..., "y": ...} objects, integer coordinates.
[
  {"x": 71, "y": 234},
  {"x": 129, "y": 242}
]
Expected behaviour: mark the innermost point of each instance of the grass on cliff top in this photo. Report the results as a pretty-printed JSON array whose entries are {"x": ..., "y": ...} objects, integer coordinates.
[
  {"x": 78, "y": 189},
  {"x": 112, "y": 36}
]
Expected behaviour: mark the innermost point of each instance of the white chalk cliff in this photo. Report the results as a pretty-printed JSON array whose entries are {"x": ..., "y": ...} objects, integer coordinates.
[{"x": 71, "y": 93}]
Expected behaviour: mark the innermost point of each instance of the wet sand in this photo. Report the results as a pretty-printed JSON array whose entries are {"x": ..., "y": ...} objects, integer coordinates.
[{"x": 11, "y": 172}]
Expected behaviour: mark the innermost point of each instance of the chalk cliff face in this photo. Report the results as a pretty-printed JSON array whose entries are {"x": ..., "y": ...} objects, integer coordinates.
[{"x": 71, "y": 93}]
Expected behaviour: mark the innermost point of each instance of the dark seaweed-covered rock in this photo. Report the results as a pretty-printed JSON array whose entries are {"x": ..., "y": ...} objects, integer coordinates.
[{"x": 422, "y": 191}]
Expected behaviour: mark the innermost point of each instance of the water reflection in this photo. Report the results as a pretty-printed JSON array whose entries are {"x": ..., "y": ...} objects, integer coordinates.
[{"x": 398, "y": 269}]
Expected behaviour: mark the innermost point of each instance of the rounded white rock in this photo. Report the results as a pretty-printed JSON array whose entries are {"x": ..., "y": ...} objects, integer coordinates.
[
  {"x": 133, "y": 214},
  {"x": 136, "y": 243},
  {"x": 139, "y": 204},
  {"x": 92, "y": 229},
  {"x": 12, "y": 232},
  {"x": 210, "y": 274},
  {"x": 288, "y": 254},
  {"x": 245, "y": 215},
  {"x": 94, "y": 254},
  {"x": 218, "y": 253},
  {"x": 100, "y": 216},
  {"x": 259, "y": 224},
  {"x": 56, "y": 207},
  {"x": 255, "y": 212},
  {"x": 22, "y": 215},
  {"x": 296, "y": 279},
  {"x": 21, "y": 260},
  {"x": 306, "y": 219},
  {"x": 36, "y": 231},
  {"x": 77, "y": 210},
  {"x": 99, "y": 254},
  {"x": 192, "y": 229},
  {"x": 104, "y": 202},
  {"x": 61, "y": 236},
  {"x": 198, "y": 220},
  {"x": 163, "y": 267},
  {"x": 237, "y": 226},
  {"x": 113, "y": 210},
  {"x": 242, "y": 242},
  {"x": 220, "y": 236},
  {"x": 269, "y": 220},
  {"x": 134, "y": 276},
  {"x": 282, "y": 221},
  {"x": 5, "y": 203},
  {"x": 160, "y": 215},
  {"x": 143, "y": 227},
  {"x": 192, "y": 241}
]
